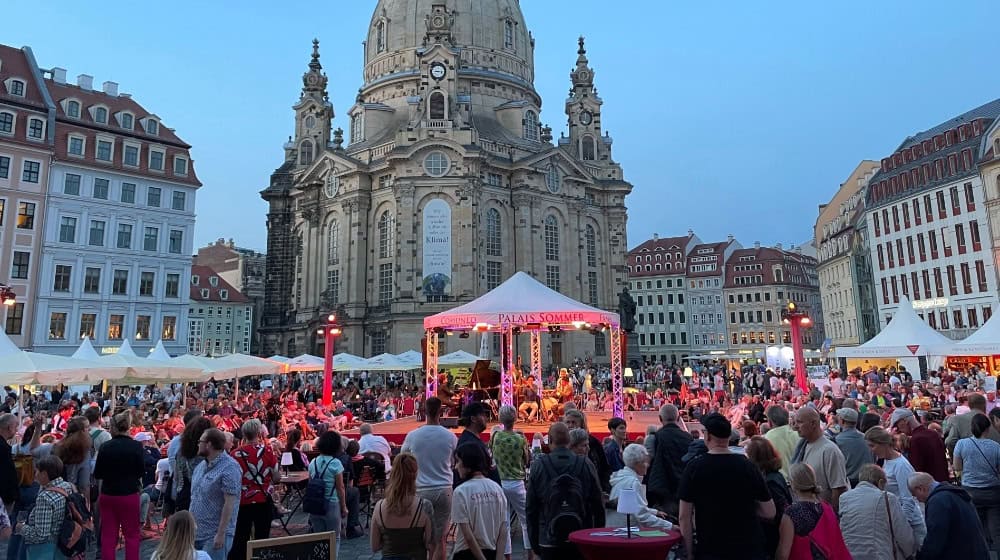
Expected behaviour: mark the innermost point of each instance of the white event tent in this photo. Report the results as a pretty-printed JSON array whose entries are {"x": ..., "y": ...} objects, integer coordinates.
[
  {"x": 458, "y": 358},
  {"x": 412, "y": 358},
  {"x": 19, "y": 367},
  {"x": 388, "y": 362},
  {"x": 143, "y": 371},
  {"x": 906, "y": 337},
  {"x": 984, "y": 342}
]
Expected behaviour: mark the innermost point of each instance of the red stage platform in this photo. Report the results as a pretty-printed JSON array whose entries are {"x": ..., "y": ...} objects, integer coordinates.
[{"x": 395, "y": 430}]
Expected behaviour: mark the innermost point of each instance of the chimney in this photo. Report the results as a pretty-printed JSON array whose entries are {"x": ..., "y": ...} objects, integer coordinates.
[
  {"x": 730, "y": 238},
  {"x": 690, "y": 232},
  {"x": 777, "y": 246},
  {"x": 111, "y": 88},
  {"x": 59, "y": 75},
  {"x": 756, "y": 244},
  {"x": 85, "y": 82},
  {"x": 656, "y": 236}
]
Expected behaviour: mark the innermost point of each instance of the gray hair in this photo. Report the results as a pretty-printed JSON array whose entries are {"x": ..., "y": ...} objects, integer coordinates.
[
  {"x": 507, "y": 414},
  {"x": 251, "y": 429},
  {"x": 7, "y": 419},
  {"x": 634, "y": 455},
  {"x": 574, "y": 413},
  {"x": 668, "y": 413},
  {"x": 578, "y": 436},
  {"x": 365, "y": 429},
  {"x": 777, "y": 416}
]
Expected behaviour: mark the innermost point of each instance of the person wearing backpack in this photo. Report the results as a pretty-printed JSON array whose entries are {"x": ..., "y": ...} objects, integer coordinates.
[
  {"x": 41, "y": 531},
  {"x": 564, "y": 495},
  {"x": 324, "y": 499}
]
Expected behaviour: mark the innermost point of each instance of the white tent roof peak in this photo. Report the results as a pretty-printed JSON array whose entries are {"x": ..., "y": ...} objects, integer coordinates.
[
  {"x": 86, "y": 350},
  {"x": 7, "y": 345},
  {"x": 159, "y": 353},
  {"x": 984, "y": 342},
  {"x": 126, "y": 349},
  {"x": 906, "y": 335},
  {"x": 520, "y": 300}
]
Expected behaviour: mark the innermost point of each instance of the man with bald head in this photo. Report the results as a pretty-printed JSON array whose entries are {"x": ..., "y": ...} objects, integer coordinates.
[
  {"x": 953, "y": 527},
  {"x": 671, "y": 443},
  {"x": 545, "y": 472},
  {"x": 825, "y": 458}
]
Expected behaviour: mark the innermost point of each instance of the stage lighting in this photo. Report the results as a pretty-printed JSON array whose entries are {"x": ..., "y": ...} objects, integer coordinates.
[{"x": 465, "y": 334}]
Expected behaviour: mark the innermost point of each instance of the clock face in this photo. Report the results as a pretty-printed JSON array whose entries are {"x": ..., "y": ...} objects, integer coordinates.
[
  {"x": 438, "y": 71},
  {"x": 586, "y": 118}
]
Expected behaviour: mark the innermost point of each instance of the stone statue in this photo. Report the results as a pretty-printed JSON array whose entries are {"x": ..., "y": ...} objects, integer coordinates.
[{"x": 626, "y": 310}]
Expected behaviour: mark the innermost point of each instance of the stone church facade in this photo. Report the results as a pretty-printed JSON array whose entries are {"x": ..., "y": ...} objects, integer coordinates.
[{"x": 445, "y": 184}]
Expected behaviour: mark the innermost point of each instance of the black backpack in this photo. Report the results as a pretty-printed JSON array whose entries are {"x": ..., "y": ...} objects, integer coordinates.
[
  {"x": 565, "y": 505},
  {"x": 77, "y": 527},
  {"x": 314, "y": 501}
]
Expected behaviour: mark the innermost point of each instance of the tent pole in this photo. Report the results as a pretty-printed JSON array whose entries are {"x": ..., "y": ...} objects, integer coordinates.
[
  {"x": 507, "y": 367},
  {"x": 184, "y": 394},
  {"x": 616, "y": 370},
  {"x": 432, "y": 364},
  {"x": 114, "y": 388},
  {"x": 536, "y": 359},
  {"x": 236, "y": 394}
]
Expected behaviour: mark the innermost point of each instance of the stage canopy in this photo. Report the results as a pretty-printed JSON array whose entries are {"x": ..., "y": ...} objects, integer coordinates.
[
  {"x": 984, "y": 342},
  {"x": 907, "y": 335}
]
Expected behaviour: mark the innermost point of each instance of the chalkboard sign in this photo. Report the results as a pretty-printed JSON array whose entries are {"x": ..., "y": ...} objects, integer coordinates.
[{"x": 314, "y": 546}]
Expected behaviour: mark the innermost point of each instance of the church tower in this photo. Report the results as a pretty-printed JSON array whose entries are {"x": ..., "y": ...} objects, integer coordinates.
[
  {"x": 313, "y": 115},
  {"x": 583, "y": 110}
]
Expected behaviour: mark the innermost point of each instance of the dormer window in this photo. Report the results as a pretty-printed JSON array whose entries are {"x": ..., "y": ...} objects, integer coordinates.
[
  {"x": 6, "y": 122},
  {"x": 127, "y": 120},
  {"x": 530, "y": 125},
  {"x": 36, "y": 128},
  {"x": 223, "y": 295},
  {"x": 152, "y": 127},
  {"x": 204, "y": 293},
  {"x": 73, "y": 109},
  {"x": 180, "y": 166},
  {"x": 17, "y": 88},
  {"x": 101, "y": 115},
  {"x": 195, "y": 280},
  {"x": 213, "y": 281},
  {"x": 156, "y": 160}
]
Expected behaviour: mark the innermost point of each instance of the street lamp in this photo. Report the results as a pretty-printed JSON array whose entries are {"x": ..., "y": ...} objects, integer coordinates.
[
  {"x": 796, "y": 319},
  {"x": 7, "y": 295},
  {"x": 331, "y": 330}
]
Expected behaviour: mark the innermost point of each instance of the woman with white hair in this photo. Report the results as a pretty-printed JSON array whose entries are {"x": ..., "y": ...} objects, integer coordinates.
[{"x": 630, "y": 478}]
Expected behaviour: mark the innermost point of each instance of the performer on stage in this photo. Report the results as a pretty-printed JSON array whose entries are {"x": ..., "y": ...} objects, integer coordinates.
[
  {"x": 564, "y": 387},
  {"x": 529, "y": 400},
  {"x": 445, "y": 393}
]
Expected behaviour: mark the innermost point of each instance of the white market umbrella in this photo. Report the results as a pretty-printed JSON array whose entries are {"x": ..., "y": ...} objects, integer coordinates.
[
  {"x": 411, "y": 358},
  {"x": 305, "y": 362},
  {"x": 348, "y": 362},
  {"x": 18, "y": 367},
  {"x": 386, "y": 362},
  {"x": 279, "y": 358},
  {"x": 458, "y": 358},
  {"x": 143, "y": 371}
]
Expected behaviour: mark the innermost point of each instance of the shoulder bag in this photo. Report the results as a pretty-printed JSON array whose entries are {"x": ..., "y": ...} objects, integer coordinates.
[{"x": 980, "y": 449}]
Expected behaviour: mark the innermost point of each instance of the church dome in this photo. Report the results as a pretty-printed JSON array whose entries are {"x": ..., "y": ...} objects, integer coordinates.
[{"x": 491, "y": 35}]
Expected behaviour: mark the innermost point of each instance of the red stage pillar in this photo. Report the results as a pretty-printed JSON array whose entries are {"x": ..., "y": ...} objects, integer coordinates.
[{"x": 800, "y": 360}]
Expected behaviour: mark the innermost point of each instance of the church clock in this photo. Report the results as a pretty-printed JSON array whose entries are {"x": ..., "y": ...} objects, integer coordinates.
[
  {"x": 438, "y": 71},
  {"x": 586, "y": 118}
]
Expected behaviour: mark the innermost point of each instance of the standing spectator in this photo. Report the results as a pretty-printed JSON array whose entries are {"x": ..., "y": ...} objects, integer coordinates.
[
  {"x": 852, "y": 444},
  {"x": 809, "y": 523},
  {"x": 328, "y": 468},
  {"x": 764, "y": 456},
  {"x": 74, "y": 452},
  {"x": 545, "y": 470},
  {"x": 401, "y": 523},
  {"x": 822, "y": 455},
  {"x": 576, "y": 419},
  {"x": 978, "y": 460},
  {"x": 959, "y": 426},
  {"x": 177, "y": 542},
  {"x": 474, "y": 419},
  {"x": 614, "y": 448},
  {"x": 215, "y": 492},
  {"x": 8, "y": 474},
  {"x": 868, "y": 513},
  {"x": 369, "y": 442},
  {"x": 725, "y": 496},
  {"x": 433, "y": 446},
  {"x": 897, "y": 471},
  {"x": 258, "y": 464},
  {"x": 671, "y": 442},
  {"x": 41, "y": 529},
  {"x": 479, "y": 509},
  {"x": 953, "y": 528},
  {"x": 188, "y": 459},
  {"x": 781, "y": 435},
  {"x": 926, "y": 451},
  {"x": 629, "y": 477},
  {"x": 510, "y": 451},
  {"x": 120, "y": 467},
  {"x": 579, "y": 443}
]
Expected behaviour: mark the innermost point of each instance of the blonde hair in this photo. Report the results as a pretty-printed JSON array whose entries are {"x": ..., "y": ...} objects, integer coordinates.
[
  {"x": 878, "y": 435},
  {"x": 802, "y": 479},
  {"x": 402, "y": 485},
  {"x": 178, "y": 539}
]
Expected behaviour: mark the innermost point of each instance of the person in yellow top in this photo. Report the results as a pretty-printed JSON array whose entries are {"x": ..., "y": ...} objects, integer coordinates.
[{"x": 781, "y": 435}]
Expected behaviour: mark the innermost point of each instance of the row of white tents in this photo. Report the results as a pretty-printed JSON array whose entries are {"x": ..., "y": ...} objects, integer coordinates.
[{"x": 407, "y": 361}]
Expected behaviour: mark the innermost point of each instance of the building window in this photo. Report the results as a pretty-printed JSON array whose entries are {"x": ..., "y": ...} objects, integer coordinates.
[
  {"x": 178, "y": 200},
  {"x": 75, "y": 146},
  {"x": 131, "y": 157},
  {"x": 88, "y": 324},
  {"x": 333, "y": 286},
  {"x": 128, "y": 193},
  {"x": 101, "y": 115},
  {"x": 73, "y": 109},
  {"x": 127, "y": 121},
  {"x": 152, "y": 127},
  {"x": 378, "y": 342},
  {"x": 180, "y": 166},
  {"x": 31, "y": 171},
  {"x": 437, "y": 106},
  {"x": 153, "y": 197},
  {"x": 142, "y": 323},
  {"x": 92, "y": 280},
  {"x": 592, "y": 288},
  {"x": 587, "y": 148},
  {"x": 385, "y": 236},
  {"x": 436, "y": 164},
  {"x": 176, "y": 241},
  {"x": 146, "y": 282},
  {"x": 124, "y": 236},
  {"x": 67, "y": 230},
  {"x": 19, "y": 265},
  {"x": 384, "y": 283},
  {"x": 530, "y": 126},
  {"x": 493, "y": 274},
  {"x": 494, "y": 233},
  {"x": 151, "y": 239},
  {"x": 57, "y": 326},
  {"x": 551, "y": 238},
  {"x": 15, "y": 318},
  {"x": 508, "y": 34},
  {"x": 96, "y": 237},
  {"x": 981, "y": 276},
  {"x": 169, "y": 330},
  {"x": 71, "y": 184},
  {"x": 116, "y": 326},
  {"x": 156, "y": 160},
  {"x": 333, "y": 243},
  {"x": 552, "y": 276},
  {"x": 101, "y": 188},
  {"x": 171, "y": 288},
  {"x": 590, "y": 240},
  {"x": 4, "y": 167},
  {"x": 119, "y": 283},
  {"x": 7, "y": 123},
  {"x": 25, "y": 215},
  {"x": 17, "y": 88},
  {"x": 305, "y": 153},
  {"x": 104, "y": 150},
  {"x": 380, "y": 36},
  {"x": 36, "y": 128},
  {"x": 357, "y": 131}
]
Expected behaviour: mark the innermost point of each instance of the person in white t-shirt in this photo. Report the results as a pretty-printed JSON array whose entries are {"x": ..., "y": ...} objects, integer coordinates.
[
  {"x": 479, "y": 508},
  {"x": 370, "y": 442}
]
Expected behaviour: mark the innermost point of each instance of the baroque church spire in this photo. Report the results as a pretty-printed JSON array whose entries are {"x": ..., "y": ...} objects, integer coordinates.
[
  {"x": 582, "y": 76},
  {"x": 314, "y": 80}
]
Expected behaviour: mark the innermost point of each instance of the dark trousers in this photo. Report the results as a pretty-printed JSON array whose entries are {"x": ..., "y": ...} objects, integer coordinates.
[
  {"x": 467, "y": 554},
  {"x": 987, "y": 502},
  {"x": 564, "y": 552},
  {"x": 353, "y": 498},
  {"x": 252, "y": 521}
]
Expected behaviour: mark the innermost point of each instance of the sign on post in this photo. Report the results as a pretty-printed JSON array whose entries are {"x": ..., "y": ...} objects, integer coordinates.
[{"x": 314, "y": 546}]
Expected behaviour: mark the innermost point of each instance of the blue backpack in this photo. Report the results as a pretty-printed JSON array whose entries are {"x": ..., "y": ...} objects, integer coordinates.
[{"x": 315, "y": 500}]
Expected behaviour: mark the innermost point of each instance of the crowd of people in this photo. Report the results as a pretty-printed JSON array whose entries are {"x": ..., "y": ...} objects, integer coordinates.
[{"x": 745, "y": 464}]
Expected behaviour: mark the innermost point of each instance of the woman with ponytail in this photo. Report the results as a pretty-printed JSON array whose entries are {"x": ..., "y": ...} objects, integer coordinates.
[{"x": 809, "y": 528}]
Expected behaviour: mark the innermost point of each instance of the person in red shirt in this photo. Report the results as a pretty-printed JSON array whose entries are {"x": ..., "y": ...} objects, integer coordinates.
[
  {"x": 926, "y": 446},
  {"x": 259, "y": 466}
]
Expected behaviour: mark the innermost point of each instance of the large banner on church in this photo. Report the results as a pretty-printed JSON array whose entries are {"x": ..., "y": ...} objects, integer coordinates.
[{"x": 437, "y": 248}]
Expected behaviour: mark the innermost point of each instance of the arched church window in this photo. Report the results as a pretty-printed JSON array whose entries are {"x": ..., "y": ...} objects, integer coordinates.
[
  {"x": 590, "y": 240},
  {"x": 553, "y": 179},
  {"x": 380, "y": 37},
  {"x": 305, "y": 153},
  {"x": 587, "y": 149},
  {"x": 530, "y": 126},
  {"x": 437, "y": 106},
  {"x": 333, "y": 243},
  {"x": 357, "y": 132},
  {"x": 494, "y": 235},
  {"x": 551, "y": 238},
  {"x": 508, "y": 34},
  {"x": 385, "y": 235}
]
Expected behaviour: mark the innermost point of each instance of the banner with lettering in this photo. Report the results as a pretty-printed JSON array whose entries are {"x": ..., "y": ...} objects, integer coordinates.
[{"x": 437, "y": 248}]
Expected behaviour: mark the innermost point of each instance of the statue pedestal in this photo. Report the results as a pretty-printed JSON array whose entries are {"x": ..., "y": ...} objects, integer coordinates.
[{"x": 633, "y": 355}]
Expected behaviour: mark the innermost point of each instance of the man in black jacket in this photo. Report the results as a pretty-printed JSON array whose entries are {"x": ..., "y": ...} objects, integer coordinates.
[
  {"x": 8, "y": 474},
  {"x": 544, "y": 471},
  {"x": 953, "y": 527},
  {"x": 670, "y": 443}
]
